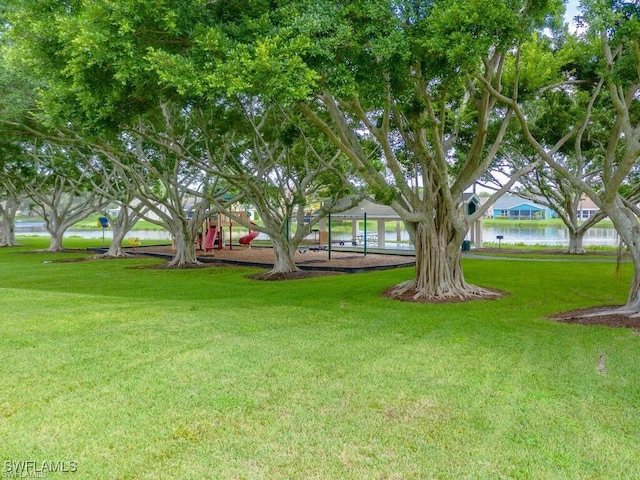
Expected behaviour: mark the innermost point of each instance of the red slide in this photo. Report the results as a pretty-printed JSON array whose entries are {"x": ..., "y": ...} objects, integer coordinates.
[
  {"x": 247, "y": 239},
  {"x": 211, "y": 238}
]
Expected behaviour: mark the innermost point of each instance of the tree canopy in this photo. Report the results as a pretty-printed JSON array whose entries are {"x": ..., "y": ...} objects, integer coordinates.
[{"x": 419, "y": 97}]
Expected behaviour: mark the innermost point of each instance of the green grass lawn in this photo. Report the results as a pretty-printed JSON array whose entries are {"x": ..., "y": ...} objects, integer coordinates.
[
  {"x": 152, "y": 373},
  {"x": 547, "y": 252},
  {"x": 549, "y": 222}
]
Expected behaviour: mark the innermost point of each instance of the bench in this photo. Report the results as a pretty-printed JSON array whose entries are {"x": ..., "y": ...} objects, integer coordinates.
[
  {"x": 371, "y": 238},
  {"x": 314, "y": 248}
]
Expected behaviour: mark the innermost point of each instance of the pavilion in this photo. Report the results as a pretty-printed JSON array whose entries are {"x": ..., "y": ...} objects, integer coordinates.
[{"x": 382, "y": 214}]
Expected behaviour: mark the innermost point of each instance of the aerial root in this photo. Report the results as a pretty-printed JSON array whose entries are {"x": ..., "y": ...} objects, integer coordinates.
[
  {"x": 468, "y": 292},
  {"x": 110, "y": 255},
  {"x": 624, "y": 311},
  {"x": 183, "y": 264},
  {"x": 402, "y": 288},
  {"x": 282, "y": 272}
]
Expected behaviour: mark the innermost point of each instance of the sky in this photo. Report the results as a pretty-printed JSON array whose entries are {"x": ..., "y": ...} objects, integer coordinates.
[{"x": 572, "y": 10}]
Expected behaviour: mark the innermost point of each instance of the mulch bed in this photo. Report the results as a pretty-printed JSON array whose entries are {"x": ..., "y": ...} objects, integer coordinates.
[
  {"x": 583, "y": 316},
  {"x": 299, "y": 275},
  {"x": 166, "y": 266}
]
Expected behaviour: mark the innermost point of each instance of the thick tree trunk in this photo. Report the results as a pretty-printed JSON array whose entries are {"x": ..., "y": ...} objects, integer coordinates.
[
  {"x": 626, "y": 224},
  {"x": 576, "y": 238},
  {"x": 121, "y": 225},
  {"x": 8, "y": 234},
  {"x": 56, "y": 227},
  {"x": 7, "y": 225},
  {"x": 185, "y": 248},
  {"x": 284, "y": 252},
  {"x": 633, "y": 303},
  {"x": 632, "y": 307},
  {"x": 115, "y": 248},
  {"x": 439, "y": 273},
  {"x": 55, "y": 245}
]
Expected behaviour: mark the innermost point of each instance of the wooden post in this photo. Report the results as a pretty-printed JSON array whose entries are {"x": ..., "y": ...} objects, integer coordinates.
[
  {"x": 365, "y": 234},
  {"x": 329, "y": 239},
  {"x": 381, "y": 233}
]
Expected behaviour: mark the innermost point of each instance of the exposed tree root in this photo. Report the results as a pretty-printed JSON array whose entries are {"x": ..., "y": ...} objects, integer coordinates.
[
  {"x": 297, "y": 275},
  {"x": 282, "y": 272},
  {"x": 183, "y": 264},
  {"x": 184, "y": 258},
  {"x": 110, "y": 255},
  {"x": 408, "y": 292},
  {"x": 621, "y": 311},
  {"x": 608, "y": 316}
]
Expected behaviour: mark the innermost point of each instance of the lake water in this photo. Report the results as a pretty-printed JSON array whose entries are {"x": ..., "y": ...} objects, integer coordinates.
[
  {"x": 549, "y": 236},
  {"x": 532, "y": 235},
  {"x": 37, "y": 228}
]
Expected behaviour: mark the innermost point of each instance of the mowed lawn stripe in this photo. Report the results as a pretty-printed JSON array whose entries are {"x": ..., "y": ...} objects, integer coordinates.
[{"x": 147, "y": 373}]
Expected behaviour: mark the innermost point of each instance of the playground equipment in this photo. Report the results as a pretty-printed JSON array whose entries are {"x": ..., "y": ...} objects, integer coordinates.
[
  {"x": 214, "y": 231},
  {"x": 247, "y": 239}
]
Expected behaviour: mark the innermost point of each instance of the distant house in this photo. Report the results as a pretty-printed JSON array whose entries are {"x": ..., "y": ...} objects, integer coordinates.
[
  {"x": 586, "y": 208},
  {"x": 513, "y": 207}
]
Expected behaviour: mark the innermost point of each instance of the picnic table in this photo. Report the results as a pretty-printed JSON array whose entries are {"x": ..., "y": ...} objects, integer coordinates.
[{"x": 371, "y": 238}]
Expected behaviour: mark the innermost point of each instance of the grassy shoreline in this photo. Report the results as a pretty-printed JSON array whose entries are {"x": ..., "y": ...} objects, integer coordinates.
[
  {"x": 91, "y": 223},
  {"x": 552, "y": 222}
]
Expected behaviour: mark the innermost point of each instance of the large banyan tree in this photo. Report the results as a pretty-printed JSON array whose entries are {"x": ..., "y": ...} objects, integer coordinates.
[
  {"x": 396, "y": 90},
  {"x": 392, "y": 83},
  {"x": 606, "y": 136}
]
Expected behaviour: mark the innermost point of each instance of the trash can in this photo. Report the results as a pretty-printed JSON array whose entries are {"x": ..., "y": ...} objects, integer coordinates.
[{"x": 466, "y": 245}]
